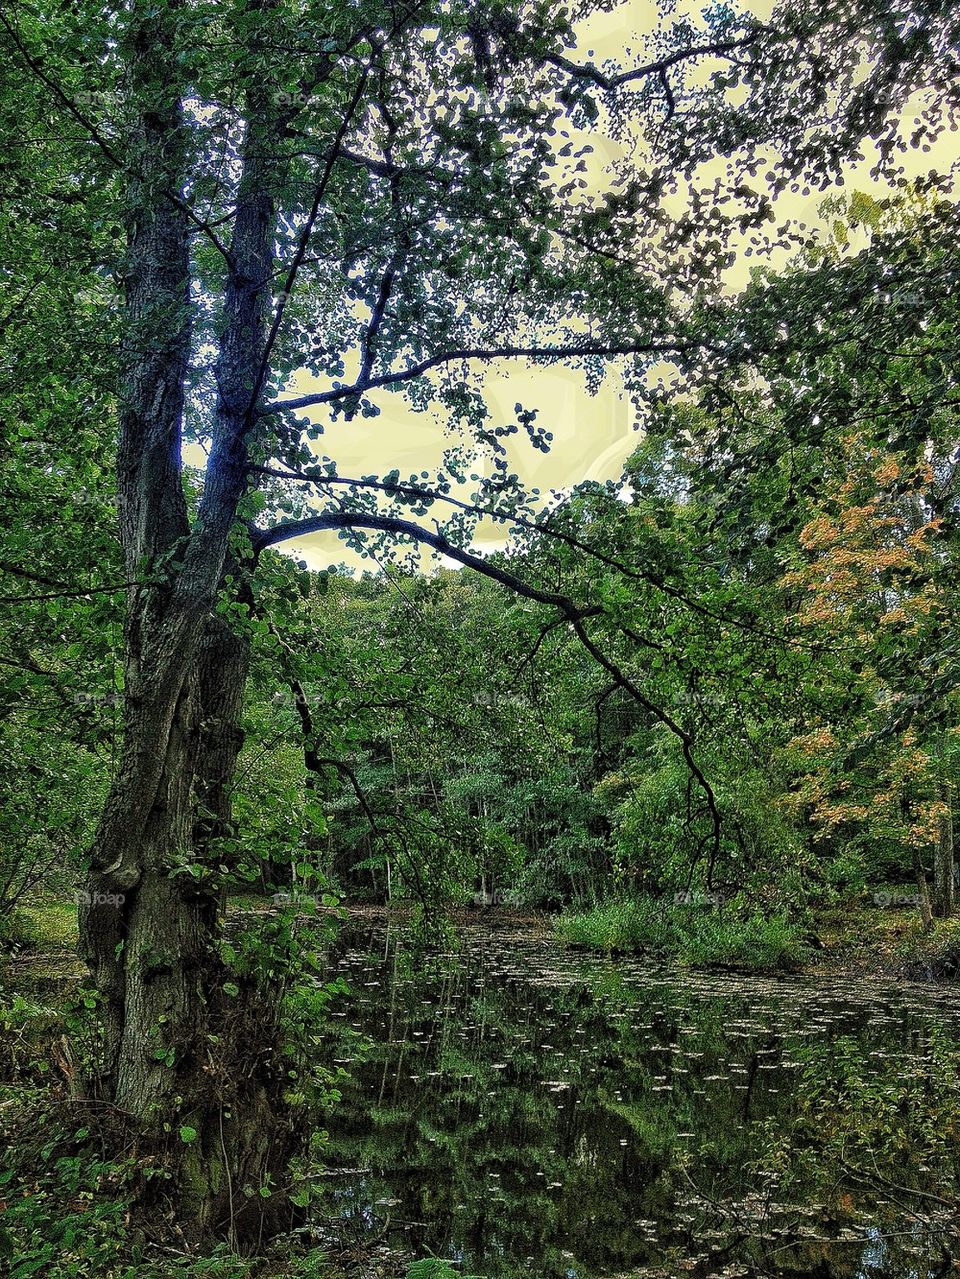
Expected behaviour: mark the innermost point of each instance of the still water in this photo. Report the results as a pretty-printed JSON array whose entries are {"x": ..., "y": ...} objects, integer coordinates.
[{"x": 522, "y": 1109}]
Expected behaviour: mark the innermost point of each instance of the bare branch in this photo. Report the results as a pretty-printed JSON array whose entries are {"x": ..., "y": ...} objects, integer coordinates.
[
  {"x": 61, "y": 595},
  {"x": 63, "y": 591},
  {"x": 304, "y": 241}
]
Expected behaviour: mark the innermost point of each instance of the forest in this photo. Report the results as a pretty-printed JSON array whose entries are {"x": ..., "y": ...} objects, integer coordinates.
[{"x": 428, "y": 847}]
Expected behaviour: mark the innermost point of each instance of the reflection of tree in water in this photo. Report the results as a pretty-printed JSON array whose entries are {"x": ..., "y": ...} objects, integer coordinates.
[{"x": 525, "y": 1112}]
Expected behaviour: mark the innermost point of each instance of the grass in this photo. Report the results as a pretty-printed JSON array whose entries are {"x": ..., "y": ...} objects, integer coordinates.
[
  {"x": 695, "y": 935},
  {"x": 878, "y": 930},
  {"x": 55, "y": 924},
  {"x": 44, "y": 925},
  {"x": 617, "y": 925}
]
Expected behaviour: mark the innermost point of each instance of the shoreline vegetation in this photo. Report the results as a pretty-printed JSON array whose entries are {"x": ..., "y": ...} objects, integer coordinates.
[
  {"x": 877, "y": 933},
  {"x": 855, "y": 936}
]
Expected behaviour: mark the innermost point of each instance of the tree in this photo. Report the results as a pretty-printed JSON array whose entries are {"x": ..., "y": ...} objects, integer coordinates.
[
  {"x": 59, "y": 561},
  {"x": 875, "y": 579},
  {"x": 825, "y": 459},
  {"x": 384, "y": 197}
]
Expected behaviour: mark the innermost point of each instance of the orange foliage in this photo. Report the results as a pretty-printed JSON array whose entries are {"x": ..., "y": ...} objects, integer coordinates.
[{"x": 866, "y": 565}]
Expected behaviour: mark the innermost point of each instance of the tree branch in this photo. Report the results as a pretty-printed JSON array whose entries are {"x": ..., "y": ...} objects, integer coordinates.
[
  {"x": 604, "y": 349},
  {"x": 262, "y": 539},
  {"x": 686, "y": 742},
  {"x": 63, "y": 591},
  {"x": 304, "y": 241},
  {"x": 532, "y": 526},
  {"x": 659, "y": 68}
]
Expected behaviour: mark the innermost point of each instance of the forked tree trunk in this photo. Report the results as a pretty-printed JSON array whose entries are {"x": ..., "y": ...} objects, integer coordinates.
[{"x": 193, "y": 1066}]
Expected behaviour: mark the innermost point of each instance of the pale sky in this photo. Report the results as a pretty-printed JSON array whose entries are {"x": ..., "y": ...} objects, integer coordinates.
[{"x": 592, "y": 435}]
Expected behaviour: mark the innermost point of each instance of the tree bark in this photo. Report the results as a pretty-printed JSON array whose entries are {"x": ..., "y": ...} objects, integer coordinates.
[
  {"x": 195, "y": 1070},
  {"x": 923, "y": 892},
  {"x": 178, "y": 1053},
  {"x": 943, "y": 886}
]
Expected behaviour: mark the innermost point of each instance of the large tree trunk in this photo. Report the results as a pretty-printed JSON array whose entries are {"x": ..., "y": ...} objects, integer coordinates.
[
  {"x": 194, "y": 1068},
  {"x": 179, "y": 1054}
]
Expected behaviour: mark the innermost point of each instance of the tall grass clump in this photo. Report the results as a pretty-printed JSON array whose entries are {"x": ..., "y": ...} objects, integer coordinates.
[
  {"x": 625, "y": 924},
  {"x": 701, "y": 936}
]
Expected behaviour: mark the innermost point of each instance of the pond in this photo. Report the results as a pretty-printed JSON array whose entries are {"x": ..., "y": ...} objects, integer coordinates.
[{"x": 522, "y": 1109}]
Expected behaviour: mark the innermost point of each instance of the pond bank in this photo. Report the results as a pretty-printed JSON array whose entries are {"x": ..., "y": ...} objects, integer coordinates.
[{"x": 852, "y": 938}]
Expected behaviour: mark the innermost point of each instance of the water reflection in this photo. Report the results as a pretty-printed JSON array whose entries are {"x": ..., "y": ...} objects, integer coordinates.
[{"x": 524, "y": 1110}]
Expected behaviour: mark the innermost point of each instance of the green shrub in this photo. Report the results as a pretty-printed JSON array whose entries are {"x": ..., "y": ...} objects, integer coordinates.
[
  {"x": 66, "y": 1211},
  {"x": 695, "y": 934},
  {"x": 67, "y": 1206},
  {"x": 752, "y": 941},
  {"x": 19, "y": 931},
  {"x": 618, "y": 925}
]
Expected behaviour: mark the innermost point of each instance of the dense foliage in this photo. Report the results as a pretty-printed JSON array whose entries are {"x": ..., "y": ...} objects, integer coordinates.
[
  {"x": 686, "y": 707},
  {"x": 763, "y": 701}
]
